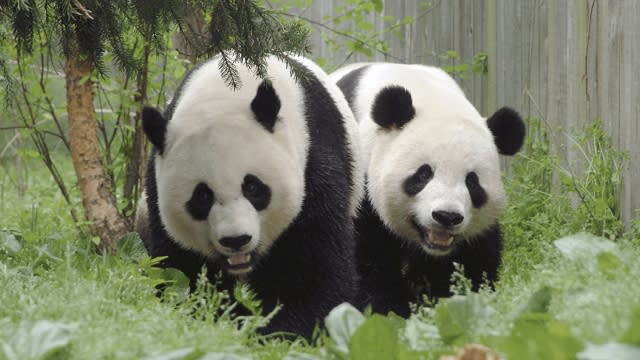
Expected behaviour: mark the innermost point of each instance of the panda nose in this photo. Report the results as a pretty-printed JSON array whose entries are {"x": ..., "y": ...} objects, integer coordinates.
[
  {"x": 447, "y": 218},
  {"x": 235, "y": 242}
]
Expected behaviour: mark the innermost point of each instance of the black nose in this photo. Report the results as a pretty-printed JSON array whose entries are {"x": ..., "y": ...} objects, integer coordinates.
[
  {"x": 447, "y": 218},
  {"x": 235, "y": 242}
]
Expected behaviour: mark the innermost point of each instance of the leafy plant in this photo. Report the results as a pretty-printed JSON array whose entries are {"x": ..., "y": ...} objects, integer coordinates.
[
  {"x": 453, "y": 66},
  {"x": 549, "y": 199},
  {"x": 354, "y": 28}
]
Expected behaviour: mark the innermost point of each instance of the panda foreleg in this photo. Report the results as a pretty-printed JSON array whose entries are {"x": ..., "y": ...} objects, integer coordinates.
[
  {"x": 379, "y": 262},
  {"x": 481, "y": 258}
]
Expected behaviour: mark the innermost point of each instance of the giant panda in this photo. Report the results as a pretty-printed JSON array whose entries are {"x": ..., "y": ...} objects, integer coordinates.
[
  {"x": 434, "y": 190},
  {"x": 258, "y": 184}
]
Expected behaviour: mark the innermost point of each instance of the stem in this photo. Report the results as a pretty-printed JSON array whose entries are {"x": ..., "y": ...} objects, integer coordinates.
[{"x": 29, "y": 120}]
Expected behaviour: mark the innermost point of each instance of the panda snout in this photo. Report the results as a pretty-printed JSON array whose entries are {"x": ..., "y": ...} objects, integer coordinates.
[
  {"x": 447, "y": 218},
  {"x": 235, "y": 242}
]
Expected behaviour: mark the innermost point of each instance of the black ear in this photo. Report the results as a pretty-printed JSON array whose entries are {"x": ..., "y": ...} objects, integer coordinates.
[
  {"x": 393, "y": 106},
  {"x": 508, "y": 130},
  {"x": 154, "y": 125},
  {"x": 266, "y": 106}
]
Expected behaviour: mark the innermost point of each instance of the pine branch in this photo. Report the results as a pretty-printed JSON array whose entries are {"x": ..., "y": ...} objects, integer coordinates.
[
  {"x": 81, "y": 10},
  {"x": 229, "y": 71}
]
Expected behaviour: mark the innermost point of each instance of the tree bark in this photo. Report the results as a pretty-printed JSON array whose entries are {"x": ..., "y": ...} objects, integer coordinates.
[{"x": 98, "y": 198}]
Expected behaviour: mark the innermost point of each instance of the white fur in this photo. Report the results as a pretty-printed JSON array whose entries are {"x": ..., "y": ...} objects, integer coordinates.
[
  {"x": 214, "y": 138},
  {"x": 447, "y": 133}
]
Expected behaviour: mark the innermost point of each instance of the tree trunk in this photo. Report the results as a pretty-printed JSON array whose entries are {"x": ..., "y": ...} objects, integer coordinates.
[{"x": 98, "y": 198}]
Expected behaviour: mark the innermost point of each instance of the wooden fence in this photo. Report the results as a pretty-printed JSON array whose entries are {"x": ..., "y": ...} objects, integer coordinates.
[{"x": 567, "y": 62}]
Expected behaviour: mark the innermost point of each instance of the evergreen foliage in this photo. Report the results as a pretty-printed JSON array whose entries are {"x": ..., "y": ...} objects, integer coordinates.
[{"x": 89, "y": 28}]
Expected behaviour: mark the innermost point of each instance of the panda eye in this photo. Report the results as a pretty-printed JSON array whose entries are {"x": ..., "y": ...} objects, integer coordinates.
[
  {"x": 416, "y": 182},
  {"x": 250, "y": 189},
  {"x": 257, "y": 192},
  {"x": 425, "y": 173},
  {"x": 201, "y": 202},
  {"x": 472, "y": 181},
  {"x": 478, "y": 195}
]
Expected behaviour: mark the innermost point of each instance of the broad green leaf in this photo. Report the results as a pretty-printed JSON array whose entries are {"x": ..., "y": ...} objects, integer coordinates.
[
  {"x": 534, "y": 337},
  {"x": 378, "y": 5},
  {"x": 458, "y": 317},
  {"x": 377, "y": 338},
  {"x": 420, "y": 334},
  {"x": 179, "y": 354},
  {"x": 584, "y": 246},
  {"x": 9, "y": 242},
  {"x": 632, "y": 336},
  {"x": 221, "y": 356},
  {"x": 38, "y": 340},
  {"x": 539, "y": 301},
  {"x": 177, "y": 282},
  {"x": 342, "y": 322},
  {"x": 609, "y": 351},
  {"x": 171, "y": 355},
  {"x": 130, "y": 247},
  {"x": 364, "y": 25},
  {"x": 301, "y": 356},
  {"x": 608, "y": 264}
]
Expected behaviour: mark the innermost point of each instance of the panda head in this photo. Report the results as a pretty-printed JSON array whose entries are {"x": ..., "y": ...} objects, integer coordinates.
[
  {"x": 229, "y": 180},
  {"x": 434, "y": 174}
]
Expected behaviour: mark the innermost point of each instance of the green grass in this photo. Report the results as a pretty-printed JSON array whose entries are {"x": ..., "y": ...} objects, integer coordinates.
[{"x": 557, "y": 299}]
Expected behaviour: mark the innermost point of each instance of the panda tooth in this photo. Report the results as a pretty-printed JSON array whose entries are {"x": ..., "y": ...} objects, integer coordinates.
[{"x": 239, "y": 259}]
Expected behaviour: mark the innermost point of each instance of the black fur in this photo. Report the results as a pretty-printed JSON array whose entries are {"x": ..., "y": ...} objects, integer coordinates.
[
  {"x": 508, "y": 130},
  {"x": 257, "y": 192},
  {"x": 266, "y": 105},
  {"x": 393, "y": 107},
  {"x": 478, "y": 195},
  {"x": 154, "y": 125},
  {"x": 200, "y": 202},
  {"x": 349, "y": 83},
  {"x": 416, "y": 182},
  {"x": 310, "y": 269},
  {"x": 395, "y": 272}
]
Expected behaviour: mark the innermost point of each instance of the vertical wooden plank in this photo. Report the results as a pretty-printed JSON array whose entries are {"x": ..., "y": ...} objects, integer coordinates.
[
  {"x": 492, "y": 56},
  {"x": 477, "y": 36},
  {"x": 581, "y": 11},
  {"x": 418, "y": 35},
  {"x": 630, "y": 107}
]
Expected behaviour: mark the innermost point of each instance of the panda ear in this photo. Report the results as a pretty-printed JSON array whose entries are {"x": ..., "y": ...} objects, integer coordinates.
[
  {"x": 266, "y": 105},
  {"x": 508, "y": 130},
  {"x": 393, "y": 106},
  {"x": 154, "y": 125}
]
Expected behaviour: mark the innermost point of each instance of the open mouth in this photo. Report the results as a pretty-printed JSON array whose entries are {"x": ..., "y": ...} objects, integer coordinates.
[
  {"x": 434, "y": 239},
  {"x": 239, "y": 263}
]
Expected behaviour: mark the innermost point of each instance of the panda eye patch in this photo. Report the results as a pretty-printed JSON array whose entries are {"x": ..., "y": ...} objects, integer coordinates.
[
  {"x": 416, "y": 182},
  {"x": 477, "y": 193},
  {"x": 257, "y": 192},
  {"x": 201, "y": 202}
]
